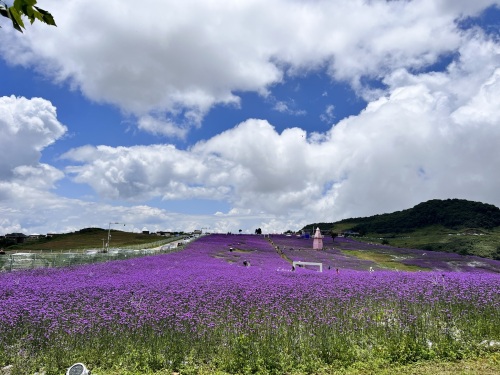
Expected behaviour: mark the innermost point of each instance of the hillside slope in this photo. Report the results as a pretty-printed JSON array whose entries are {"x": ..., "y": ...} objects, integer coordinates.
[
  {"x": 453, "y": 225},
  {"x": 87, "y": 238},
  {"x": 450, "y": 213}
]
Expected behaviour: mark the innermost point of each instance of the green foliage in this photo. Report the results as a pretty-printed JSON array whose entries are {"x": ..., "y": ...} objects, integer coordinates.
[
  {"x": 451, "y": 213},
  {"x": 311, "y": 228},
  {"x": 496, "y": 255},
  {"x": 6, "y": 242},
  {"x": 452, "y": 225},
  {"x": 28, "y": 9},
  {"x": 87, "y": 238},
  {"x": 384, "y": 332}
]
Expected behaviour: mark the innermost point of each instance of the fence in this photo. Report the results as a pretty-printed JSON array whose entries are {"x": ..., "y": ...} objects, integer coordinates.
[{"x": 44, "y": 259}]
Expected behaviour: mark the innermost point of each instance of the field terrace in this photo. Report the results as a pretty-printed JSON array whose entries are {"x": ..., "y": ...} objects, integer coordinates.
[
  {"x": 336, "y": 254},
  {"x": 236, "y": 249},
  {"x": 201, "y": 305}
]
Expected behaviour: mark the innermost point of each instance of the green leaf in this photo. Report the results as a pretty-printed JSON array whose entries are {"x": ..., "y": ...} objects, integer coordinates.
[
  {"x": 19, "y": 4},
  {"x": 30, "y": 12},
  {"x": 17, "y": 21},
  {"x": 25, "y": 8},
  {"x": 16, "y": 25},
  {"x": 47, "y": 17}
]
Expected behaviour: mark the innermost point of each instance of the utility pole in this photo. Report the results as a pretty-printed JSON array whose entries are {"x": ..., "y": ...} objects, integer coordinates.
[{"x": 109, "y": 235}]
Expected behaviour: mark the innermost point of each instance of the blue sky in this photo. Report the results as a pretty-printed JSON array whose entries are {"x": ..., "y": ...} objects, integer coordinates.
[{"x": 199, "y": 114}]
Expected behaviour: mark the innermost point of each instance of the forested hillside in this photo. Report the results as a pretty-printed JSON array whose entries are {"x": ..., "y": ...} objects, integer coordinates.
[
  {"x": 450, "y": 213},
  {"x": 453, "y": 225}
]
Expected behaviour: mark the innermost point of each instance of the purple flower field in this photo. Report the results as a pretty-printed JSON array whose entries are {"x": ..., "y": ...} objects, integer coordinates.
[
  {"x": 301, "y": 249},
  {"x": 233, "y": 302}
]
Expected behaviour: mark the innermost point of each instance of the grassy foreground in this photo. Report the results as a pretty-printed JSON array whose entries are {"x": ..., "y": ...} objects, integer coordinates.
[
  {"x": 205, "y": 310},
  {"x": 489, "y": 364}
]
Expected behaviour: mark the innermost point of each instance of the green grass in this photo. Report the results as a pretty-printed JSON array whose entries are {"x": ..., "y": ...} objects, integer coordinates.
[
  {"x": 488, "y": 364},
  {"x": 483, "y": 243},
  {"x": 365, "y": 347},
  {"x": 236, "y": 250},
  {"x": 69, "y": 249},
  {"x": 369, "y": 336},
  {"x": 385, "y": 261},
  {"x": 90, "y": 238}
]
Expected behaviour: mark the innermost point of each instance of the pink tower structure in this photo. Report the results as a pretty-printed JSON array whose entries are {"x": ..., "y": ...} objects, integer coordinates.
[{"x": 318, "y": 240}]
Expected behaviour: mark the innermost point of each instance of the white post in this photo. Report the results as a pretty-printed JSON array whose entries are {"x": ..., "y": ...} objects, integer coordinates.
[
  {"x": 109, "y": 236},
  {"x": 320, "y": 265}
]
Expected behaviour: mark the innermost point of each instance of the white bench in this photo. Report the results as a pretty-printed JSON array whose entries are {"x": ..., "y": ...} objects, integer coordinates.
[{"x": 298, "y": 263}]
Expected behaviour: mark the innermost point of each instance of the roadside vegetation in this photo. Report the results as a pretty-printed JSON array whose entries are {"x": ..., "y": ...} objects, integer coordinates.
[
  {"x": 88, "y": 238},
  {"x": 86, "y": 246}
]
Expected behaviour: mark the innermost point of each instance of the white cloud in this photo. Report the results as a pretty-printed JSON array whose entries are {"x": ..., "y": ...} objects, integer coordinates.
[
  {"x": 281, "y": 107},
  {"x": 253, "y": 167},
  {"x": 28, "y": 126},
  {"x": 178, "y": 59},
  {"x": 482, "y": 109},
  {"x": 284, "y": 107},
  {"x": 143, "y": 172},
  {"x": 329, "y": 114},
  {"x": 433, "y": 136},
  {"x": 424, "y": 136},
  {"x": 158, "y": 126},
  {"x": 29, "y": 210}
]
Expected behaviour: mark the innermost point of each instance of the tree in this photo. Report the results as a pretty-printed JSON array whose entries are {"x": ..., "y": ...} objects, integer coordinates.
[
  {"x": 333, "y": 234},
  {"x": 258, "y": 231},
  {"x": 25, "y": 8}
]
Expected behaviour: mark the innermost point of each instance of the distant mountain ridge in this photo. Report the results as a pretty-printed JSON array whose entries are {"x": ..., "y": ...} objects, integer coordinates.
[
  {"x": 451, "y": 225},
  {"x": 450, "y": 213}
]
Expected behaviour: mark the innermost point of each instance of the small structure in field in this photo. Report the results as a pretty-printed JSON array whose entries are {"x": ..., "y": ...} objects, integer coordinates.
[
  {"x": 301, "y": 264},
  {"x": 318, "y": 240}
]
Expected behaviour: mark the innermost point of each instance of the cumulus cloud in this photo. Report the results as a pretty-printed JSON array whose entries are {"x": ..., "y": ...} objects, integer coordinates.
[
  {"x": 201, "y": 54},
  {"x": 28, "y": 126},
  {"x": 424, "y": 140},
  {"x": 423, "y": 135},
  {"x": 242, "y": 165},
  {"x": 432, "y": 136},
  {"x": 144, "y": 172},
  {"x": 164, "y": 127},
  {"x": 38, "y": 211},
  {"x": 482, "y": 108}
]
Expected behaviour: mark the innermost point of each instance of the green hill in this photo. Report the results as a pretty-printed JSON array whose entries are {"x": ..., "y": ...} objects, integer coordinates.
[
  {"x": 452, "y": 225},
  {"x": 85, "y": 239}
]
